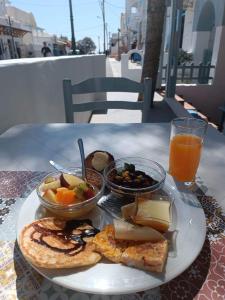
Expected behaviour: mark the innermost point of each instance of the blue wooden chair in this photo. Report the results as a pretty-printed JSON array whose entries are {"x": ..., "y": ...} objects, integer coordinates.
[{"x": 107, "y": 84}]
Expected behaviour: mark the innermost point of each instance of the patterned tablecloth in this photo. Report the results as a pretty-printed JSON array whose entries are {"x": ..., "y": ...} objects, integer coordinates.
[{"x": 204, "y": 279}]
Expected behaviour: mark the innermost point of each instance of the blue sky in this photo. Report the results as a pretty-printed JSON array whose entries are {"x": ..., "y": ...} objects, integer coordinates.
[{"x": 53, "y": 15}]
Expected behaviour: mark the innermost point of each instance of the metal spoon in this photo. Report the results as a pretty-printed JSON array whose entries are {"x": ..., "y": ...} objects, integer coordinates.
[
  {"x": 59, "y": 168},
  {"x": 81, "y": 148},
  {"x": 100, "y": 204}
]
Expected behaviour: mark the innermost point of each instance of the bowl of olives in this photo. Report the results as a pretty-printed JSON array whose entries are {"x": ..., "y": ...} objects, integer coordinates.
[{"x": 130, "y": 176}]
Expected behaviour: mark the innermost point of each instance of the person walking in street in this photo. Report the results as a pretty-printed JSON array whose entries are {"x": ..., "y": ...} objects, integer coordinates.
[{"x": 46, "y": 51}]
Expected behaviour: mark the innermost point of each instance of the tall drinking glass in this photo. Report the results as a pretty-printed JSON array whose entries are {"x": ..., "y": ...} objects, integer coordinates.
[{"x": 186, "y": 142}]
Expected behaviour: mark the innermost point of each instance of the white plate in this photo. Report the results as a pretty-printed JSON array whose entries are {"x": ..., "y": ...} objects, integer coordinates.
[{"x": 108, "y": 278}]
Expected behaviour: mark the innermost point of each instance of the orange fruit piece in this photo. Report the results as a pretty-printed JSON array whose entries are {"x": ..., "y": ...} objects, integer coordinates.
[{"x": 65, "y": 196}]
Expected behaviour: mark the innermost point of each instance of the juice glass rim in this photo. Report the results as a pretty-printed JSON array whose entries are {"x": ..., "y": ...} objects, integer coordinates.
[{"x": 202, "y": 123}]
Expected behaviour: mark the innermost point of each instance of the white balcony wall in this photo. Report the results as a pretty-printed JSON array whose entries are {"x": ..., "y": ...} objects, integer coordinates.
[
  {"x": 208, "y": 98},
  {"x": 31, "y": 89},
  {"x": 131, "y": 70}
]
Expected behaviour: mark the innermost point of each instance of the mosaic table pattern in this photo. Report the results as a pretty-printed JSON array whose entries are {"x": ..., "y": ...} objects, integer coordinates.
[{"x": 203, "y": 280}]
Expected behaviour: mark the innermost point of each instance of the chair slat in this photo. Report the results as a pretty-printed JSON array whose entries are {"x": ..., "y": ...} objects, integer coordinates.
[
  {"x": 91, "y": 106},
  {"x": 107, "y": 84}
]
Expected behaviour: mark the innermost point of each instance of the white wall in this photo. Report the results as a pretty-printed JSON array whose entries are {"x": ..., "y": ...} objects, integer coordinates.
[
  {"x": 200, "y": 43},
  {"x": 31, "y": 89},
  {"x": 114, "y": 50},
  {"x": 207, "y": 98},
  {"x": 187, "y": 35},
  {"x": 131, "y": 73},
  {"x": 216, "y": 45},
  {"x": 2, "y": 8}
]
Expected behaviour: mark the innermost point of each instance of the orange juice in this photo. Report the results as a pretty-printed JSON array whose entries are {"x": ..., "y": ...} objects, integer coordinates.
[{"x": 185, "y": 151}]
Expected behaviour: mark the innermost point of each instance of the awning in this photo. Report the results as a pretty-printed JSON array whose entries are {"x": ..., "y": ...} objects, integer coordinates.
[{"x": 15, "y": 32}]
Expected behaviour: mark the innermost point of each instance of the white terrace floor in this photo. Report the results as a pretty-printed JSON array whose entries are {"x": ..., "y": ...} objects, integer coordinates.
[{"x": 160, "y": 113}]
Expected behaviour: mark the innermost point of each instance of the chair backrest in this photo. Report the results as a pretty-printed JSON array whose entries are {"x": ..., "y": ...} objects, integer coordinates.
[{"x": 107, "y": 84}]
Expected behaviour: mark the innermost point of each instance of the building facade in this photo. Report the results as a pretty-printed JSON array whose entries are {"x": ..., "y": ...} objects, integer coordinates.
[
  {"x": 32, "y": 41},
  {"x": 21, "y": 37},
  {"x": 132, "y": 27},
  {"x": 12, "y": 32},
  {"x": 204, "y": 37},
  {"x": 202, "y": 34},
  {"x": 204, "y": 21},
  {"x": 135, "y": 23}
]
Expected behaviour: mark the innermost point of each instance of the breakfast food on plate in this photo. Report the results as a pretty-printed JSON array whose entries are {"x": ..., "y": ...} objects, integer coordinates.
[
  {"x": 67, "y": 243},
  {"x": 54, "y": 243},
  {"x": 98, "y": 160},
  {"x": 143, "y": 254},
  {"x": 128, "y": 231},
  {"x": 129, "y": 177},
  {"x": 148, "y": 212},
  {"x": 66, "y": 189}
]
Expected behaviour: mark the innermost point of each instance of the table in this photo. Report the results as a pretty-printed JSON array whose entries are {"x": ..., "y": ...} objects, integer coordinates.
[{"x": 24, "y": 154}]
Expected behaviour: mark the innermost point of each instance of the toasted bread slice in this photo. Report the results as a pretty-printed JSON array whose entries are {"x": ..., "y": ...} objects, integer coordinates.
[
  {"x": 144, "y": 255},
  {"x": 107, "y": 245},
  {"x": 53, "y": 243},
  {"x": 147, "y": 256}
]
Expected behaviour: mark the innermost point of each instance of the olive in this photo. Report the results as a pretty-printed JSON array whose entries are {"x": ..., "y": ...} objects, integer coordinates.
[{"x": 129, "y": 177}]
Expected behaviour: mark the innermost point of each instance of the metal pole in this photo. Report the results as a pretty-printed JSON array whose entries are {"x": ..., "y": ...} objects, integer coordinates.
[
  {"x": 176, "y": 20},
  {"x": 109, "y": 38},
  {"x": 161, "y": 59},
  {"x": 118, "y": 44},
  {"x": 106, "y": 33},
  {"x": 13, "y": 44},
  {"x": 72, "y": 28},
  {"x": 99, "y": 45},
  {"x": 103, "y": 17},
  {"x": 109, "y": 43}
]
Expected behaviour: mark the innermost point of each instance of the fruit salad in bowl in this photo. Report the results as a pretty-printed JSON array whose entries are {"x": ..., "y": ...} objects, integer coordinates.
[{"x": 67, "y": 195}]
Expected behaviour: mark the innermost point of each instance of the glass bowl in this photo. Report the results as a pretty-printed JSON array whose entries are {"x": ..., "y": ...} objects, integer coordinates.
[
  {"x": 149, "y": 167},
  {"x": 80, "y": 209}
]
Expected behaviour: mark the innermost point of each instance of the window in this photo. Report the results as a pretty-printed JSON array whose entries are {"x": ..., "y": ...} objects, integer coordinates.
[{"x": 133, "y": 10}]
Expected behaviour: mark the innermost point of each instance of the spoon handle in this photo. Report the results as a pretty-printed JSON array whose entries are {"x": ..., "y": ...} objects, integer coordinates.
[
  {"x": 59, "y": 168},
  {"x": 81, "y": 148}
]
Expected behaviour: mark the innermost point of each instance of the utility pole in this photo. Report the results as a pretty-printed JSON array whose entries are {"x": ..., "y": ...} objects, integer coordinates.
[
  {"x": 103, "y": 15},
  {"x": 109, "y": 42},
  {"x": 72, "y": 28},
  {"x": 102, "y": 5},
  {"x": 118, "y": 43},
  {"x": 107, "y": 37},
  {"x": 99, "y": 51},
  {"x": 11, "y": 33}
]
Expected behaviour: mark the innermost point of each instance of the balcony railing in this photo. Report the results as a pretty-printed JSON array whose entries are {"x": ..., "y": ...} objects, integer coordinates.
[{"x": 192, "y": 74}]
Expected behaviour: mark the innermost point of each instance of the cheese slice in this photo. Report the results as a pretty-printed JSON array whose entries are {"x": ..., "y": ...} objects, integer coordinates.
[
  {"x": 127, "y": 231},
  {"x": 129, "y": 210},
  {"x": 153, "y": 213}
]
